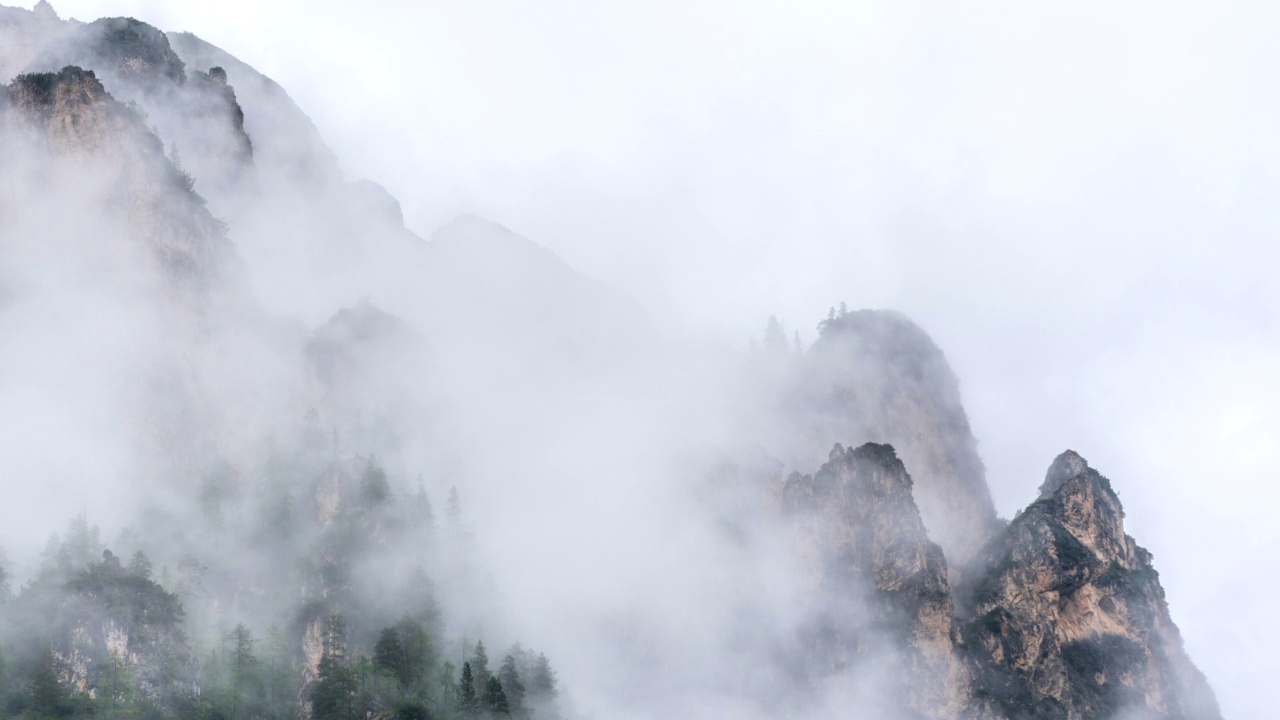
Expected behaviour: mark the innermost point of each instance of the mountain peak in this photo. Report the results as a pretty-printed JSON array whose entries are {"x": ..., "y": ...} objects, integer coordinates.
[{"x": 1066, "y": 466}]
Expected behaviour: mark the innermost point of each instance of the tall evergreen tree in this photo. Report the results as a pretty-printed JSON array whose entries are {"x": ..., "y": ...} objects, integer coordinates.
[
  {"x": 480, "y": 665},
  {"x": 495, "y": 700},
  {"x": 279, "y": 674},
  {"x": 140, "y": 565},
  {"x": 542, "y": 683},
  {"x": 468, "y": 701},
  {"x": 389, "y": 656},
  {"x": 509, "y": 674},
  {"x": 48, "y": 697},
  {"x": 775, "y": 337},
  {"x": 422, "y": 506},
  {"x": 334, "y": 695},
  {"x": 244, "y": 682}
]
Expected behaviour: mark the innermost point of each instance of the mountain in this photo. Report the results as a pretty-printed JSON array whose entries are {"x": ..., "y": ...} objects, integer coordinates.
[
  {"x": 1062, "y": 615},
  {"x": 1066, "y": 617},
  {"x": 341, "y": 457},
  {"x": 875, "y": 376}
]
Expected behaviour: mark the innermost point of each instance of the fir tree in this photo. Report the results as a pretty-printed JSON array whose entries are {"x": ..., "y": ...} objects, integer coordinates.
[
  {"x": 480, "y": 666},
  {"x": 279, "y": 672},
  {"x": 374, "y": 489},
  {"x": 422, "y": 506},
  {"x": 48, "y": 697},
  {"x": 334, "y": 695},
  {"x": 542, "y": 684},
  {"x": 509, "y": 674},
  {"x": 389, "y": 656},
  {"x": 245, "y": 684},
  {"x": 495, "y": 700},
  {"x": 775, "y": 338},
  {"x": 115, "y": 686},
  {"x": 140, "y": 565},
  {"x": 468, "y": 701}
]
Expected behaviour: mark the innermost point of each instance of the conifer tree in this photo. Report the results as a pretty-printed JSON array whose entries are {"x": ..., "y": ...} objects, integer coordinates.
[
  {"x": 389, "y": 656},
  {"x": 334, "y": 695},
  {"x": 775, "y": 338},
  {"x": 422, "y": 506},
  {"x": 495, "y": 700},
  {"x": 140, "y": 565},
  {"x": 48, "y": 696},
  {"x": 542, "y": 684},
  {"x": 245, "y": 684},
  {"x": 279, "y": 673},
  {"x": 468, "y": 701},
  {"x": 480, "y": 666},
  {"x": 509, "y": 674}
]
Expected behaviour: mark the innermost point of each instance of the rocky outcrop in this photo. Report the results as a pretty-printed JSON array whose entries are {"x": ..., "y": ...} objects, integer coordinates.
[
  {"x": 880, "y": 586},
  {"x": 69, "y": 116},
  {"x": 1066, "y": 617},
  {"x": 875, "y": 376}
]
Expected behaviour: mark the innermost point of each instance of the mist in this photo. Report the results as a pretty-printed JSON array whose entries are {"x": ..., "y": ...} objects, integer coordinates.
[{"x": 1071, "y": 202}]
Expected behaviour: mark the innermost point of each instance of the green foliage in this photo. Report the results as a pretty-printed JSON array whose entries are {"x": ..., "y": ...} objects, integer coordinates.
[
  {"x": 509, "y": 675},
  {"x": 1094, "y": 666},
  {"x": 468, "y": 701},
  {"x": 374, "y": 489},
  {"x": 1070, "y": 551},
  {"x": 135, "y": 602},
  {"x": 140, "y": 565},
  {"x": 403, "y": 651},
  {"x": 480, "y": 666},
  {"x": 542, "y": 683},
  {"x": 495, "y": 700},
  {"x": 49, "y": 699},
  {"x": 1133, "y": 584}
]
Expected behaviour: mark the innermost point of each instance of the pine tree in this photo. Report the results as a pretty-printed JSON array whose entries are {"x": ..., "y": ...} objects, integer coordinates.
[
  {"x": 48, "y": 697},
  {"x": 495, "y": 700},
  {"x": 422, "y": 506},
  {"x": 245, "y": 685},
  {"x": 115, "y": 687},
  {"x": 542, "y": 684},
  {"x": 509, "y": 674},
  {"x": 279, "y": 674},
  {"x": 389, "y": 656},
  {"x": 83, "y": 545},
  {"x": 775, "y": 337},
  {"x": 140, "y": 565},
  {"x": 468, "y": 702},
  {"x": 334, "y": 695},
  {"x": 374, "y": 489},
  {"x": 480, "y": 666}
]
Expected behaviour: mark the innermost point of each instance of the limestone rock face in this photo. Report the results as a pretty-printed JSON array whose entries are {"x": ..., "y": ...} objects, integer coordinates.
[
  {"x": 867, "y": 549},
  {"x": 64, "y": 130},
  {"x": 1067, "y": 618},
  {"x": 875, "y": 376}
]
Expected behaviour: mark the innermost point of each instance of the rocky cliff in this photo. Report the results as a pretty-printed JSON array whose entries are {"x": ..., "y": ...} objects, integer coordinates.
[
  {"x": 875, "y": 376},
  {"x": 1061, "y": 615},
  {"x": 880, "y": 585},
  {"x": 64, "y": 135},
  {"x": 1066, "y": 617}
]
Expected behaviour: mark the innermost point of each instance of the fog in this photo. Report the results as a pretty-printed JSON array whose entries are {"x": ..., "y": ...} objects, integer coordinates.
[{"x": 1071, "y": 201}]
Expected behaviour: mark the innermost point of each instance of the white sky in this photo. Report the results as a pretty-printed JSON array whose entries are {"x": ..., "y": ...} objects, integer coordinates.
[{"x": 1075, "y": 199}]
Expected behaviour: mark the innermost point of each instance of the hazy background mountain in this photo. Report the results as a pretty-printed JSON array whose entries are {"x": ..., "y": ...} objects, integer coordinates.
[{"x": 1070, "y": 203}]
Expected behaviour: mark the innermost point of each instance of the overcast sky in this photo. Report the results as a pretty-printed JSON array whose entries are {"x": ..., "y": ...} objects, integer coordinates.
[{"x": 1077, "y": 200}]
